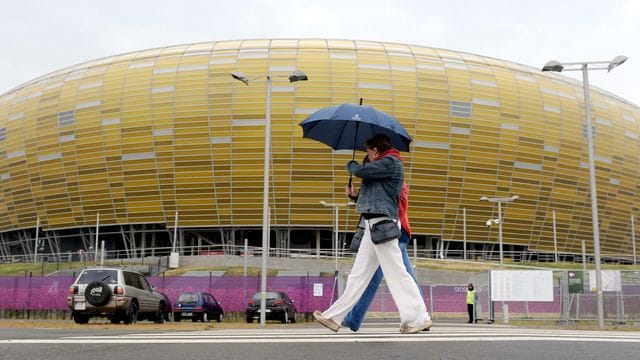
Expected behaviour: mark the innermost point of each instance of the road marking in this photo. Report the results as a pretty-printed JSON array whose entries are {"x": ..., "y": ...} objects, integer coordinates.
[{"x": 369, "y": 334}]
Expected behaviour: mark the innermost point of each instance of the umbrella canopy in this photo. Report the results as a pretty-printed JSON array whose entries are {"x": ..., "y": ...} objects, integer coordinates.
[{"x": 347, "y": 126}]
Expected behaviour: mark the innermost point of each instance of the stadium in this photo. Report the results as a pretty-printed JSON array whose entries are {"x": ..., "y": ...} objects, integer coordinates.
[{"x": 127, "y": 144}]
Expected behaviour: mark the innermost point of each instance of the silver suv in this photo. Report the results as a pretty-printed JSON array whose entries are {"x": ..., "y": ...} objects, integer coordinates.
[{"x": 117, "y": 294}]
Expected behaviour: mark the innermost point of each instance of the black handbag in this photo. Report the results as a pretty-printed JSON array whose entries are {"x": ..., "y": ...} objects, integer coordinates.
[
  {"x": 385, "y": 230},
  {"x": 355, "y": 241}
]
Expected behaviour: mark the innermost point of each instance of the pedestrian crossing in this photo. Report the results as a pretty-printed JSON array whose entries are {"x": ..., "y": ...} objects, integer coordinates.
[{"x": 371, "y": 332}]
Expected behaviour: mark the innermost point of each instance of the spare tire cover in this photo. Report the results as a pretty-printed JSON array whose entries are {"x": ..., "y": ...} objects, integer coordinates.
[{"x": 97, "y": 293}]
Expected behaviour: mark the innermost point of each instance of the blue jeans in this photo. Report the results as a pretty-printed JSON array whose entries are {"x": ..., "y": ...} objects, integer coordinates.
[{"x": 354, "y": 319}]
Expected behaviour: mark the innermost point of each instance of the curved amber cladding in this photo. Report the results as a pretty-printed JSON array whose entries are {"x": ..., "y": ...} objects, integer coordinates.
[{"x": 139, "y": 136}]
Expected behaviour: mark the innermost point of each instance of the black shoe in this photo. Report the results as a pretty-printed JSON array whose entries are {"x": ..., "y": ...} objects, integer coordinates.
[{"x": 351, "y": 327}]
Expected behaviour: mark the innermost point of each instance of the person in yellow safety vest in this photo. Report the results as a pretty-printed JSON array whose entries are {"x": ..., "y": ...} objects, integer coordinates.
[{"x": 472, "y": 298}]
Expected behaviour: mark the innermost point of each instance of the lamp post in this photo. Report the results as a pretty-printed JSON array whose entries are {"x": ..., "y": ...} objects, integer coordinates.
[
  {"x": 557, "y": 66},
  {"x": 35, "y": 248},
  {"x": 498, "y": 221},
  {"x": 295, "y": 76},
  {"x": 335, "y": 227}
]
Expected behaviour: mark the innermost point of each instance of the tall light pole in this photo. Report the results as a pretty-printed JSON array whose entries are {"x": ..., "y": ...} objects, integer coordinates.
[
  {"x": 555, "y": 239},
  {"x": 335, "y": 227},
  {"x": 498, "y": 221},
  {"x": 295, "y": 76},
  {"x": 585, "y": 66}
]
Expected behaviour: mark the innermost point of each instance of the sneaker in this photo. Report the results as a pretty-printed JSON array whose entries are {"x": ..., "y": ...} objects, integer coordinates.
[
  {"x": 416, "y": 329},
  {"x": 351, "y": 327},
  {"x": 326, "y": 322}
]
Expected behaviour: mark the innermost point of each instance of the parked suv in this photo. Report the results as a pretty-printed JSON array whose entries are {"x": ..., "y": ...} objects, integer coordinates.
[{"x": 117, "y": 294}]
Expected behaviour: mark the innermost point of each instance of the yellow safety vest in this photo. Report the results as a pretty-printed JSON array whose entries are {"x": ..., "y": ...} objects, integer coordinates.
[{"x": 471, "y": 296}]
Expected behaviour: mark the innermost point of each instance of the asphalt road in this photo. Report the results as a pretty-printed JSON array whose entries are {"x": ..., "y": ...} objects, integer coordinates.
[{"x": 310, "y": 342}]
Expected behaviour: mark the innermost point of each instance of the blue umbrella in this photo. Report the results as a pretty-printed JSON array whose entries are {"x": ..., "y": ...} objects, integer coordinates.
[{"x": 347, "y": 126}]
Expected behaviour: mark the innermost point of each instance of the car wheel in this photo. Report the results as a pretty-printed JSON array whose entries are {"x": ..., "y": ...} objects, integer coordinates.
[
  {"x": 176, "y": 318},
  {"x": 97, "y": 293},
  {"x": 131, "y": 316},
  {"x": 293, "y": 318},
  {"x": 285, "y": 317},
  {"x": 219, "y": 317},
  {"x": 80, "y": 319},
  {"x": 194, "y": 319},
  {"x": 159, "y": 314},
  {"x": 249, "y": 319}
]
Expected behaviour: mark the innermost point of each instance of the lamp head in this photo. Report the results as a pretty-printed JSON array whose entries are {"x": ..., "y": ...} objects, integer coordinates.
[
  {"x": 484, "y": 198},
  {"x": 298, "y": 76},
  {"x": 323, "y": 203},
  {"x": 618, "y": 60},
  {"x": 240, "y": 76},
  {"x": 514, "y": 197},
  {"x": 553, "y": 65}
]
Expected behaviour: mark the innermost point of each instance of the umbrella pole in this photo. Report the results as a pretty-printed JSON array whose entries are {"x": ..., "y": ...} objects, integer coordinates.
[{"x": 353, "y": 156}]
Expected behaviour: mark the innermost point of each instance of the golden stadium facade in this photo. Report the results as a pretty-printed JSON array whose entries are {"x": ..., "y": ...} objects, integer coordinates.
[{"x": 138, "y": 136}]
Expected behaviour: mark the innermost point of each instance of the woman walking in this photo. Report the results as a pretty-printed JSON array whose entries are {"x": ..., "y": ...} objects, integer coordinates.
[{"x": 380, "y": 190}]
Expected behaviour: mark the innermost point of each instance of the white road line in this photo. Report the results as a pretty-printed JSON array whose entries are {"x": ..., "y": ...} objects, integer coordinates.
[
  {"x": 441, "y": 333},
  {"x": 316, "y": 340}
]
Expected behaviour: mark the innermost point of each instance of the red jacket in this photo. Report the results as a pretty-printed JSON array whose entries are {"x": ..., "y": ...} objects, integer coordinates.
[{"x": 403, "y": 201}]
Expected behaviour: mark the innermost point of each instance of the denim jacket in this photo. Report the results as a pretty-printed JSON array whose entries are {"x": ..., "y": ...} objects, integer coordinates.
[{"x": 381, "y": 185}]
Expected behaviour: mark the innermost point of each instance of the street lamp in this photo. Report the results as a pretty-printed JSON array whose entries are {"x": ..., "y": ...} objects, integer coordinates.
[
  {"x": 498, "y": 221},
  {"x": 335, "y": 226},
  {"x": 557, "y": 66},
  {"x": 295, "y": 76}
]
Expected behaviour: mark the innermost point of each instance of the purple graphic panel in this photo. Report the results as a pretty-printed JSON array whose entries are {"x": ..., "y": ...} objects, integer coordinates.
[
  {"x": 234, "y": 292},
  {"x": 50, "y": 293},
  {"x": 34, "y": 293}
]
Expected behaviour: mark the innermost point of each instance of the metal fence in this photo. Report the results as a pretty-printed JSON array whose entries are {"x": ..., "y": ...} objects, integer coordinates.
[
  {"x": 486, "y": 255},
  {"x": 449, "y": 300},
  {"x": 318, "y": 292}
]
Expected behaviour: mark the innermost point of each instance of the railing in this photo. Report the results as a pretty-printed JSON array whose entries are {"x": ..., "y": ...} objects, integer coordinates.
[{"x": 471, "y": 255}]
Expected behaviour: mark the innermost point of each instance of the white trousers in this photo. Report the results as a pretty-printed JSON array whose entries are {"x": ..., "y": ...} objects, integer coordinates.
[{"x": 404, "y": 290}]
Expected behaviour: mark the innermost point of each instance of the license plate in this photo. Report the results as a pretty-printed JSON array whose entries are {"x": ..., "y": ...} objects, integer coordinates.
[
  {"x": 265, "y": 310},
  {"x": 187, "y": 314},
  {"x": 80, "y": 306}
]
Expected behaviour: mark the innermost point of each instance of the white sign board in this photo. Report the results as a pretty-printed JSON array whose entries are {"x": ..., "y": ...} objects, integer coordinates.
[
  {"x": 317, "y": 289},
  {"x": 522, "y": 285},
  {"x": 610, "y": 280}
]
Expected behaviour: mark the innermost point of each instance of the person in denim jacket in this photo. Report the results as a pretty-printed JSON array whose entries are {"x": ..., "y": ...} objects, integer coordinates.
[
  {"x": 381, "y": 187},
  {"x": 354, "y": 319}
]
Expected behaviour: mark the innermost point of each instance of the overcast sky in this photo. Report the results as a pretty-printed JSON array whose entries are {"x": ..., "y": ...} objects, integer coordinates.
[{"x": 39, "y": 37}]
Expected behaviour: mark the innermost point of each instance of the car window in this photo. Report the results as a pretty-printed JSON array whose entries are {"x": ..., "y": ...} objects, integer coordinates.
[
  {"x": 268, "y": 296},
  {"x": 142, "y": 281},
  {"x": 106, "y": 276},
  {"x": 188, "y": 298},
  {"x": 130, "y": 279}
]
